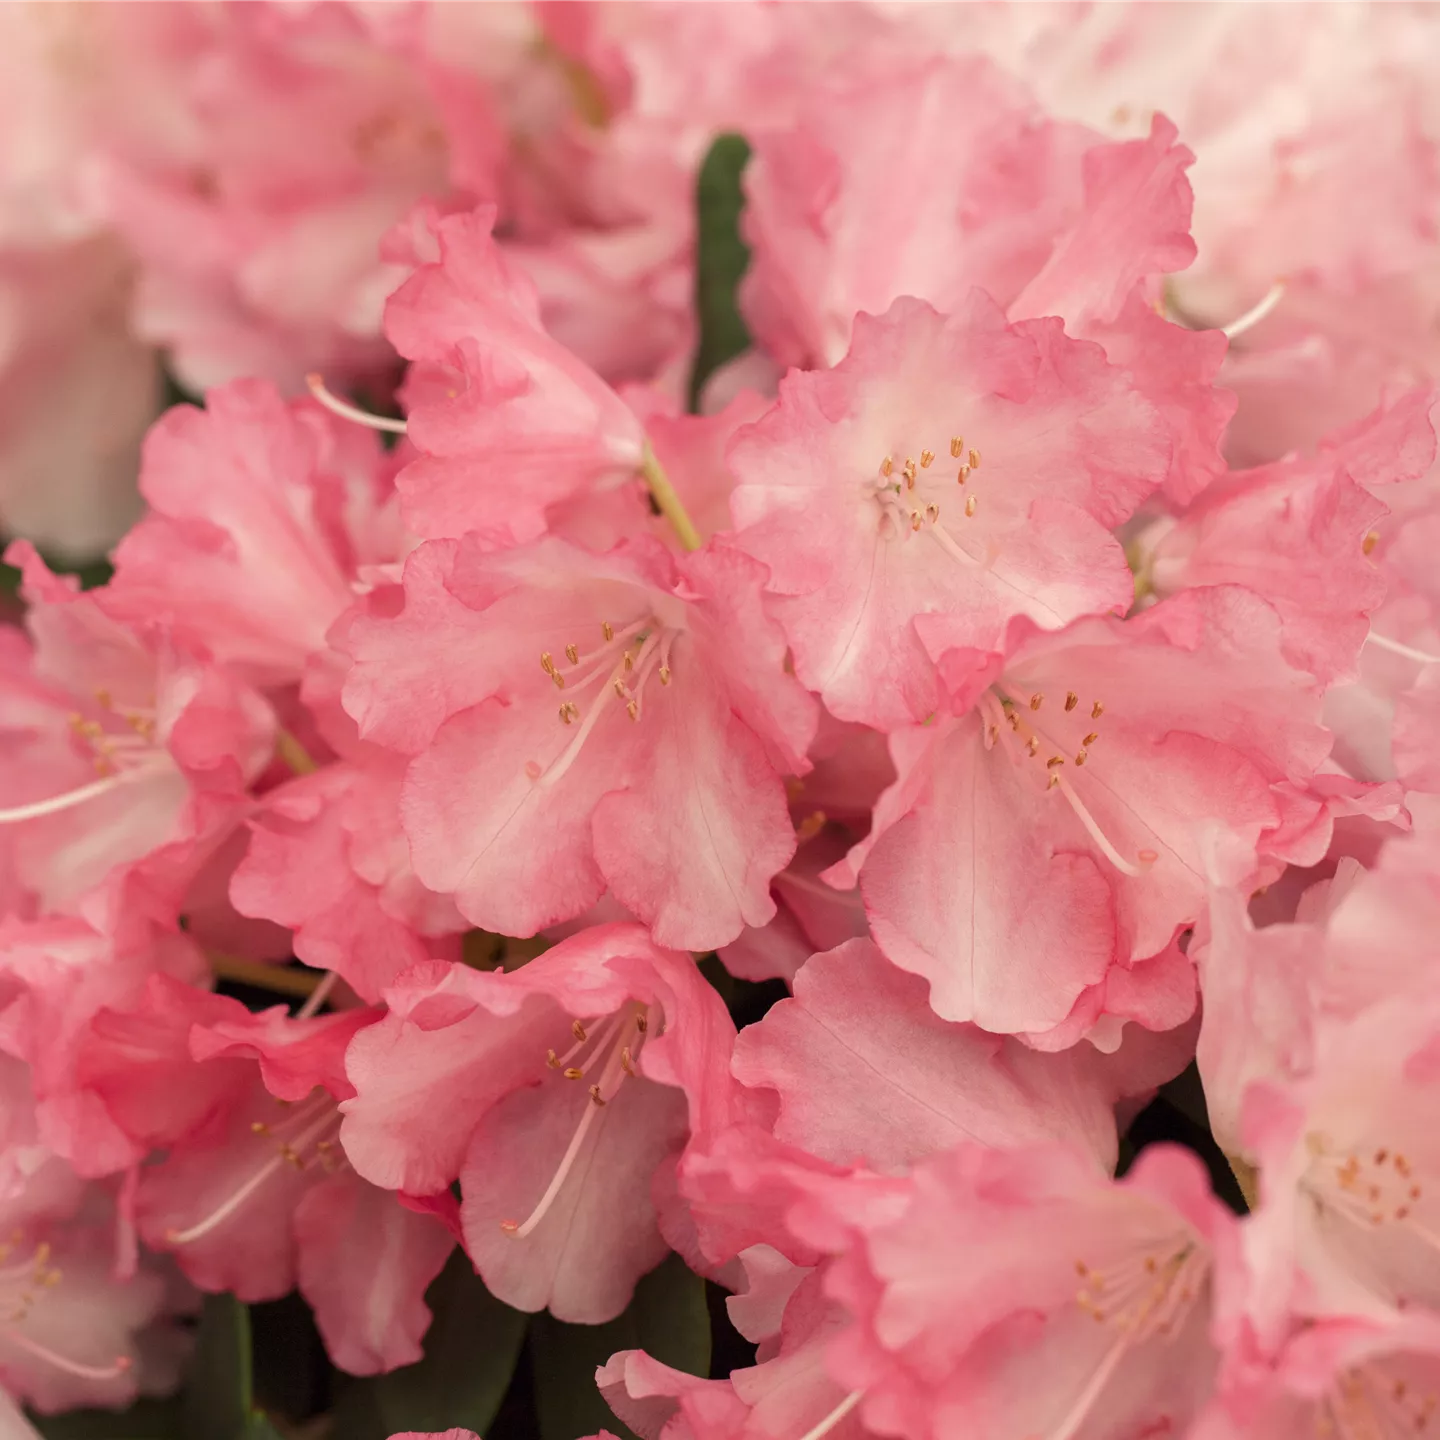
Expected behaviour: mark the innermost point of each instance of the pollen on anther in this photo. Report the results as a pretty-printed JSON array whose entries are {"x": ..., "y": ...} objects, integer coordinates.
[
  {"x": 974, "y": 459},
  {"x": 642, "y": 1023},
  {"x": 629, "y": 660},
  {"x": 916, "y": 519},
  {"x": 1091, "y": 738},
  {"x": 1071, "y": 700},
  {"x": 927, "y": 458},
  {"x": 1372, "y": 539},
  {"x": 558, "y": 678},
  {"x": 1080, "y": 757},
  {"x": 963, "y": 475},
  {"x": 1096, "y": 710},
  {"x": 1054, "y": 761},
  {"x": 932, "y": 513},
  {"x": 970, "y": 505},
  {"x": 572, "y": 654},
  {"x": 632, "y": 709},
  {"x": 596, "y": 1096},
  {"x": 664, "y": 673},
  {"x": 572, "y": 1072},
  {"x": 569, "y": 712},
  {"x": 957, "y": 446},
  {"x": 908, "y": 470},
  {"x": 547, "y": 664},
  {"x": 578, "y": 1031},
  {"x": 1033, "y": 744},
  {"x": 607, "y": 629},
  {"x": 1037, "y": 699},
  {"x": 887, "y": 466},
  {"x": 258, "y": 1127}
]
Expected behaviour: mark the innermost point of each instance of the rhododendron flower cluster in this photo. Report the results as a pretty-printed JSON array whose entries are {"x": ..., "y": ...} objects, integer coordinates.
[{"x": 778, "y": 652}]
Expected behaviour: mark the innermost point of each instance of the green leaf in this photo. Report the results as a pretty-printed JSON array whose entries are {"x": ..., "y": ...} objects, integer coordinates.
[
  {"x": 218, "y": 1401},
  {"x": 720, "y": 259},
  {"x": 668, "y": 1318},
  {"x": 470, "y": 1353}
]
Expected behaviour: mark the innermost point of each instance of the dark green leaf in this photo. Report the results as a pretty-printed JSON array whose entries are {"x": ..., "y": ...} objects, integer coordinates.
[
  {"x": 668, "y": 1318},
  {"x": 720, "y": 258},
  {"x": 470, "y": 1354},
  {"x": 89, "y": 572},
  {"x": 218, "y": 1398}
]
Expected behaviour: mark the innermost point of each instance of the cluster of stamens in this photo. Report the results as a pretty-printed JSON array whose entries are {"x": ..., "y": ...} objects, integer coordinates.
[
  {"x": 1146, "y": 1295},
  {"x": 117, "y": 755},
  {"x": 22, "y": 1285},
  {"x": 1013, "y": 722},
  {"x": 602, "y": 1057},
  {"x": 26, "y": 1281},
  {"x": 111, "y": 751},
  {"x": 1365, "y": 1405},
  {"x": 896, "y": 488},
  {"x": 621, "y": 667},
  {"x": 1143, "y": 1295},
  {"x": 305, "y": 1136},
  {"x": 1379, "y": 1189}
]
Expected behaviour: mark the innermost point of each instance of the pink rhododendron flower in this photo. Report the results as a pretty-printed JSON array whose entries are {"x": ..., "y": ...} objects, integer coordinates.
[
  {"x": 75, "y": 1332},
  {"x": 865, "y": 1072},
  {"x": 681, "y": 714},
  {"x": 508, "y": 421},
  {"x": 553, "y": 1093},
  {"x": 1295, "y": 533},
  {"x": 255, "y": 1195},
  {"x": 253, "y": 160},
  {"x": 1347, "y": 1159},
  {"x": 883, "y": 556},
  {"x": 1086, "y": 1306},
  {"x": 327, "y": 859},
  {"x": 1039, "y": 213},
  {"x": 262, "y": 515},
  {"x": 131, "y": 760},
  {"x": 1342, "y": 1376},
  {"x": 1088, "y": 763},
  {"x": 81, "y": 1325},
  {"x": 56, "y": 976}
]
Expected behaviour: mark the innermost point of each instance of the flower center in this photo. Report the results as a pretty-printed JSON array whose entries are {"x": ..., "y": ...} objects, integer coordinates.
[
  {"x": 911, "y": 495},
  {"x": 1366, "y": 1404},
  {"x": 121, "y": 750},
  {"x": 304, "y": 1136},
  {"x": 1147, "y": 1294},
  {"x": 1055, "y": 748},
  {"x": 620, "y": 666},
  {"x": 23, "y": 1284},
  {"x": 604, "y": 1053},
  {"x": 1373, "y": 1191}
]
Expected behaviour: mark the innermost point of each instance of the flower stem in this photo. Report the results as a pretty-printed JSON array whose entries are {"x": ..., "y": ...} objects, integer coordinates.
[
  {"x": 279, "y": 978},
  {"x": 669, "y": 501}
]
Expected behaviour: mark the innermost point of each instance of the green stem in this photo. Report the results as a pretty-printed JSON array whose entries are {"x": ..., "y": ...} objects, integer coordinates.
[{"x": 669, "y": 501}]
